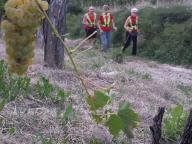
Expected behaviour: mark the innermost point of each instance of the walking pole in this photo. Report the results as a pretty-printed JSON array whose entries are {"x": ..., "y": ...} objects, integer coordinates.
[{"x": 82, "y": 42}]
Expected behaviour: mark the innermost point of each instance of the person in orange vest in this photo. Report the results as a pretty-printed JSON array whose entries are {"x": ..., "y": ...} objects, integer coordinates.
[
  {"x": 131, "y": 27},
  {"x": 105, "y": 25},
  {"x": 90, "y": 22}
]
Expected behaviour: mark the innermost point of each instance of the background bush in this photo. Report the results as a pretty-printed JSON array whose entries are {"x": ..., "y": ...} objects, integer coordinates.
[
  {"x": 2, "y": 3},
  {"x": 74, "y": 25},
  {"x": 165, "y": 33}
]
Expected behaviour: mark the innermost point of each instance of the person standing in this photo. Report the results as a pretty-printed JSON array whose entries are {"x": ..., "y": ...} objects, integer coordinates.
[
  {"x": 131, "y": 27},
  {"x": 105, "y": 25},
  {"x": 90, "y": 23}
]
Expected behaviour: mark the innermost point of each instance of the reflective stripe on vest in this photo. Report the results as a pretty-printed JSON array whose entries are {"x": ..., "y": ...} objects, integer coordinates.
[
  {"x": 134, "y": 27},
  {"x": 106, "y": 21},
  {"x": 89, "y": 20}
]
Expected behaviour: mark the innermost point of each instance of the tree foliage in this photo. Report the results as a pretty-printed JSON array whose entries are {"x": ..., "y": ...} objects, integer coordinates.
[
  {"x": 83, "y": 3},
  {"x": 2, "y": 3}
]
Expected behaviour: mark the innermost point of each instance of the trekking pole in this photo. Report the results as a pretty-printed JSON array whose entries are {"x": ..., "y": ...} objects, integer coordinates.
[
  {"x": 82, "y": 52},
  {"x": 67, "y": 34},
  {"x": 83, "y": 42}
]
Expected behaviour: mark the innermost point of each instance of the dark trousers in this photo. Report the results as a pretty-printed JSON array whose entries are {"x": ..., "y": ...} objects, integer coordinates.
[
  {"x": 89, "y": 31},
  {"x": 129, "y": 37}
]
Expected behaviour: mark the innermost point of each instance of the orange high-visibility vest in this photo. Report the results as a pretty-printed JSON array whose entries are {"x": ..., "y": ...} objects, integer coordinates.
[
  {"x": 107, "y": 19},
  {"x": 133, "y": 26},
  {"x": 91, "y": 23}
]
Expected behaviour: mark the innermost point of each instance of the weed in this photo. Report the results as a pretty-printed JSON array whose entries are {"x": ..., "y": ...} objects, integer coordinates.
[
  {"x": 47, "y": 141},
  {"x": 132, "y": 72},
  {"x": 97, "y": 63},
  {"x": 174, "y": 123},
  {"x": 60, "y": 97},
  {"x": 95, "y": 141},
  {"x": 43, "y": 88},
  {"x": 186, "y": 89},
  {"x": 144, "y": 76},
  {"x": 11, "y": 86}
]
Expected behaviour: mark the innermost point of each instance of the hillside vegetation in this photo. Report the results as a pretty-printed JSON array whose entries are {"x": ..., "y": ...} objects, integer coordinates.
[
  {"x": 48, "y": 105},
  {"x": 94, "y": 97},
  {"x": 165, "y": 33}
]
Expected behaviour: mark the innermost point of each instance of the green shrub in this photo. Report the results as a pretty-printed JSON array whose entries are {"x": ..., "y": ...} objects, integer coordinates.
[
  {"x": 43, "y": 88},
  {"x": 11, "y": 86},
  {"x": 2, "y": 3},
  {"x": 174, "y": 123},
  {"x": 73, "y": 9},
  {"x": 74, "y": 25},
  {"x": 119, "y": 36},
  {"x": 95, "y": 141},
  {"x": 187, "y": 90},
  {"x": 165, "y": 33},
  {"x": 75, "y": 14}
]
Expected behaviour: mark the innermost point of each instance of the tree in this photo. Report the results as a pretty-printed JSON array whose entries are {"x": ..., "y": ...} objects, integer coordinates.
[{"x": 54, "y": 50}]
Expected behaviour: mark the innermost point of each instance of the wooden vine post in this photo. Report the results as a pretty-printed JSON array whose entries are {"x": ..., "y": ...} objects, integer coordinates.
[
  {"x": 187, "y": 134},
  {"x": 156, "y": 128}
]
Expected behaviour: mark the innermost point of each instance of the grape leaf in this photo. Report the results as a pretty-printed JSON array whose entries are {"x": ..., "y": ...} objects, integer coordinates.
[
  {"x": 98, "y": 101},
  {"x": 115, "y": 124},
  {"x": 129, "y": 118}
]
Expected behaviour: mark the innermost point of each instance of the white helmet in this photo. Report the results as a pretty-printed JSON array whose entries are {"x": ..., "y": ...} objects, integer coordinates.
[
  {"x": 134, "y": 10},
  {"x": 106, "y": 7},
  {"x": 91, "y": 8}
]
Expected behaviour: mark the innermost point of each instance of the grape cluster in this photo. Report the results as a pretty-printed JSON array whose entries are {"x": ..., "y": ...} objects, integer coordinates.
[{"x": 22, "y": 20}]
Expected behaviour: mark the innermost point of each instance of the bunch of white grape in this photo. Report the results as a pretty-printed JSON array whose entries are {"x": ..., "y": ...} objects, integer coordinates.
[{"x": 22, "y": 20}]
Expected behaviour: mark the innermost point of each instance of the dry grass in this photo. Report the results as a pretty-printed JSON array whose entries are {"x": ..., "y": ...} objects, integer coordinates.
[{"x": 145, "y": 96}]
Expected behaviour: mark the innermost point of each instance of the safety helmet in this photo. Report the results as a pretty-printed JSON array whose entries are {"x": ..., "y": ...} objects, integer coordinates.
[
  {"x": 91, "y": 8},
  {"x": 134, "y": 10},
  {"x": 106, "y": 7}
]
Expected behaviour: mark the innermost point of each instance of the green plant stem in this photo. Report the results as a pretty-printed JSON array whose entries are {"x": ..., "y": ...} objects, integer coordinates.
[
  {"x": 95, "y": 85},
  {"x": 66, "y": 48}
]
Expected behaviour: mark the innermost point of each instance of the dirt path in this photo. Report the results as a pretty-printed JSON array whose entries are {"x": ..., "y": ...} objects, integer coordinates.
[{"x": 146, "y": 85}]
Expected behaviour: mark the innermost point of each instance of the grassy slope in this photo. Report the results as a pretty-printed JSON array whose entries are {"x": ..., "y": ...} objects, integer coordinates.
[{"x": 145, "y": 84}]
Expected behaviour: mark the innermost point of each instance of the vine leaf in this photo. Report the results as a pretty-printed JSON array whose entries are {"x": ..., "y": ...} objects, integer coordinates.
[
  {"x": 115, "y": 124},
  {"x": 99, "y": 100},
  {"x": 129, "y": 118}
]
